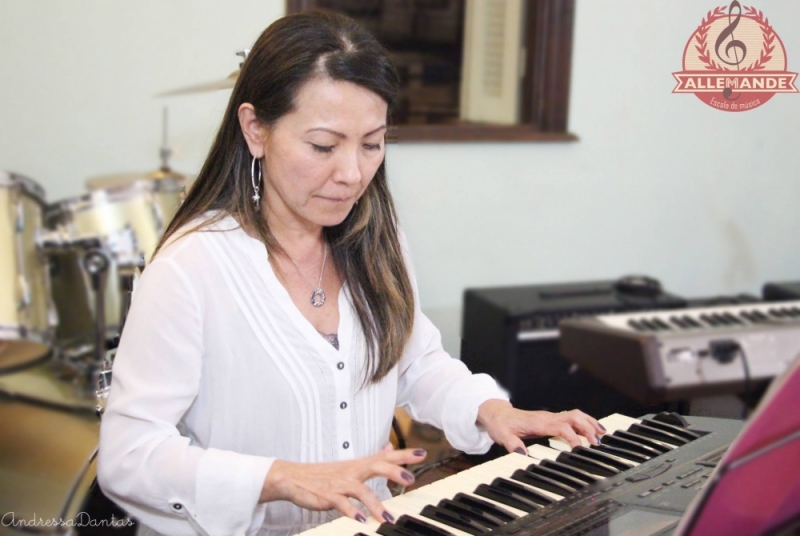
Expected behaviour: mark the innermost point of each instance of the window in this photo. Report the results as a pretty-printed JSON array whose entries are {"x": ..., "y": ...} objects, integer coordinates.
[{"x": 484, "y": 89}]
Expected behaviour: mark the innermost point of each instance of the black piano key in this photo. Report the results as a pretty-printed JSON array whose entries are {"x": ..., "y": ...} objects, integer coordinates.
[
  {"x": 721, "y": 320},
  {"x": 661, "y": 324},
  {"x": 558, "y": 476},
  {"x": 390, "y": 529},
  {"x": 420, "y": 527},
  {"x": 542, "y": 482},
  {"x": 587, "y": 464},
  {"x": 506, "y": 497},
  {"x": 475, "y": 514},
  {"x": 622, "y": 442},
  {"x": 574, "y": 472},
  {"x": 679, "y": 322},
  {"x": 795, "y": 311},
  {"x": 692, "y": 322},
  {"x": 518, "y": 490},
  {"x": 602, "y": 457},
  {"x": 689, "y": 435},
  {"x": 732, "y": 319},
  {"x": 647, "y": 324},
  {"x": 776, "y": 313},
  {"x": 709, "y": 320},
  {"x": 636, "y": 325},
  {"x": 622, "y": 453},
  {"x": 489, "y": 509},
  {"x": 453, "y": 519},
  {"x": 663, "y": 449},
  {"x": 759, "y": 316},
  {"x": 657, "y": 434}
]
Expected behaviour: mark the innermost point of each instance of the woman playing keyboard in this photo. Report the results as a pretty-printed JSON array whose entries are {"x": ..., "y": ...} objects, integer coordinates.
[{"x": 279, "y": 325}]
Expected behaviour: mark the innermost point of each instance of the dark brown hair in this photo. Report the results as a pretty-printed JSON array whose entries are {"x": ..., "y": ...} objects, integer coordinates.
[{"x": 365, "y": 246}]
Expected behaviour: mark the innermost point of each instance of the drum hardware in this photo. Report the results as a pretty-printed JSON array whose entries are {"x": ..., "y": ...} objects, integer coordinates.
[
  {"x": 103, "y": 383},
  {"x": 96, "y": 263}
]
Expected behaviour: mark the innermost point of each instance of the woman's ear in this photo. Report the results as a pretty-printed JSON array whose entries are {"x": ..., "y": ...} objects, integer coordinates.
[{"x": 252, "y": 129}]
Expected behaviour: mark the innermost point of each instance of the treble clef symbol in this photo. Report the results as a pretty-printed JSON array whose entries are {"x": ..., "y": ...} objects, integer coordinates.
[{"x": 734, "y": 44}]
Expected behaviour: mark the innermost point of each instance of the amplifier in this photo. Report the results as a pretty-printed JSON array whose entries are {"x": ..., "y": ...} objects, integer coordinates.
[
  {"x": 511, "y": 333},
  {"x": 781, "y": 291}
]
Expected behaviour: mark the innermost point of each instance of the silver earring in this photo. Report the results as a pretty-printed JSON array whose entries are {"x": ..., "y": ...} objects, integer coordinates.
[{"x": 256, "y": 182}]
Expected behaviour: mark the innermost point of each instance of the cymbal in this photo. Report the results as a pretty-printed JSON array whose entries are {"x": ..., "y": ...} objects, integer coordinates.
[
  {"x": 215, "y": 85},
  {"x": 103, "y": 182}
]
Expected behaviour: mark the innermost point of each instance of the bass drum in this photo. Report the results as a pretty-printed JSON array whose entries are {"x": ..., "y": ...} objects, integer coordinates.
[
  {"x": 143, "y": 203},
  {"x": 27, "y": 317},
  {"x": 48, "y": 451}
]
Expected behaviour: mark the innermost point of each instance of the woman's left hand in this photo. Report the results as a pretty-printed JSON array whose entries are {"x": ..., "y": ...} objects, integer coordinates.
[{"x": 506, "y": 425}]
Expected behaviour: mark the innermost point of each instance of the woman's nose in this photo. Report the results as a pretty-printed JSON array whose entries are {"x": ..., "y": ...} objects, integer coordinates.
[{"x": 349, "y": 171}]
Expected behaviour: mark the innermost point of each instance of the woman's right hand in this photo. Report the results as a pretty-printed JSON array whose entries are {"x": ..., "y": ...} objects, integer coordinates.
[{"x": 327, "y": 486}]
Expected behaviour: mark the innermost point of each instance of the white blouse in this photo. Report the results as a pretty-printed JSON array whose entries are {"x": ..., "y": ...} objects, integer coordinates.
[{"x": 218, "y": 374}]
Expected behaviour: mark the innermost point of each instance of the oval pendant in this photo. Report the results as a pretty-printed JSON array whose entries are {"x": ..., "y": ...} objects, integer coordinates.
[{"x": 318, "y": 298}]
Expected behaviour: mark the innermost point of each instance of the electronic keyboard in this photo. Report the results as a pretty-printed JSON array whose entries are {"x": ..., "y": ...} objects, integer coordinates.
[
  {"x": 679, "y": 354},
  {"x": 641, "y": 478}
]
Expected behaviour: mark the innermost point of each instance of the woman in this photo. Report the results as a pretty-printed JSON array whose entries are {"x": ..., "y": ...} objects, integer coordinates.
[{"x": 278, "y": 326}]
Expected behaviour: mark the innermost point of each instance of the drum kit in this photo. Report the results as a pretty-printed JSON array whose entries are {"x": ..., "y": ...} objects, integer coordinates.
[{"x": 67, "y": 272}]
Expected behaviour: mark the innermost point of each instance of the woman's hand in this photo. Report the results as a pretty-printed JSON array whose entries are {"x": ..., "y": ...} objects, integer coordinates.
[
  {"x": 506, "y": 425},
  {"x": 325, "y": 486}
]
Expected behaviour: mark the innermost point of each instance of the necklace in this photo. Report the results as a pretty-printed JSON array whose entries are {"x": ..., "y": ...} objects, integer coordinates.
[{"x": 317, "y": 294}]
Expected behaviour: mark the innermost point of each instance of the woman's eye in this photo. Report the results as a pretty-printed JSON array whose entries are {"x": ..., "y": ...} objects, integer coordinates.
[
  {"x": 375, "y": 147},
  {"x": 322, "y": 148}
]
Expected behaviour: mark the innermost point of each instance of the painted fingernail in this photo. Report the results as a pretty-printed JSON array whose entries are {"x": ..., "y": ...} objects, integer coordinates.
[
  {"x": 360, "y": 518},
  {"x": 597, "y": 437},
  {"x": 389, "y": 518},
  {"x": 408, "y": 477},
  {"x": 520, "y": 450},
  {"x": 420, "y": 452},
  {"x": 603, "y": 428}
]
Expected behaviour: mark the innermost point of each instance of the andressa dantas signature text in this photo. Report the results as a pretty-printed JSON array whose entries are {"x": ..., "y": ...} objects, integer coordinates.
[{"x": 83, "y": 519}]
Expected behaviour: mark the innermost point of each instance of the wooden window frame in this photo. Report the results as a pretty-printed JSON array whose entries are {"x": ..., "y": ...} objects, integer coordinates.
[{"x": 545, "y": 87}]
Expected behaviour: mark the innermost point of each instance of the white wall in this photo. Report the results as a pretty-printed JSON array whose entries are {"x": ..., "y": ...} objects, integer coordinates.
[{"x": 658, "y": 183}]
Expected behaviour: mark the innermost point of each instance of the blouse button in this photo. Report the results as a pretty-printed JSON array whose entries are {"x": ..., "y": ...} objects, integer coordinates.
[
  {"x": 346, "y": 445},
  {"x": 340, "y": 365},
  {"x": 343, "y": 405},
  {"x": 177, "y": 506}
]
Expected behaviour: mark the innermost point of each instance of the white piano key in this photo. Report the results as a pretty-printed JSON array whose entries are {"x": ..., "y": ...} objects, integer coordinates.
[
  {"x": 543, "y": 453},
  {"x": 559, "y": 443},
  {"x": 345, "y": 526},
  {"x": 615, "y": 422}
]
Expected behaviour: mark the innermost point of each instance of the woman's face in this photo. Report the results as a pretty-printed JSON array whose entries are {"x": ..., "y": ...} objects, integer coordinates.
[{"x": 319, "y": 158}]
